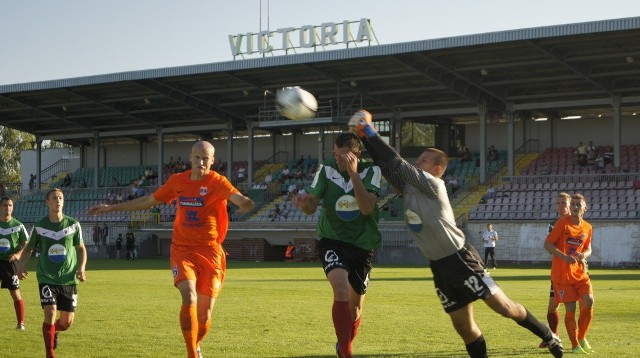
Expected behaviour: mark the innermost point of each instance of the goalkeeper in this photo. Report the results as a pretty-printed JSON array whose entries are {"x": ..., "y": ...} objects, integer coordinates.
[{"x": 459, "y": 274}]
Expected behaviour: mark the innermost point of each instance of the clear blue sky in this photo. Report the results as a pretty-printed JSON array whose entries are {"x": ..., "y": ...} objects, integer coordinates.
[{"x": 44, "y": 39}]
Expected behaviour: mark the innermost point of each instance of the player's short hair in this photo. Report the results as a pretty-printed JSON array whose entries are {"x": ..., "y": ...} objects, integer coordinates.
[
  {"x": 579, "y": 196},
  {"x": 439, "y": 157},
  {"x": 564, "y": 195},
  {"x": 4, "y": 198},
  {"x": 349, "y": 140},
  {"x": 46, "y": 196}
]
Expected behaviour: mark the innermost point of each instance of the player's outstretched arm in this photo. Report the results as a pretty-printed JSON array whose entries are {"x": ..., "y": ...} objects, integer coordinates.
[
  {"x": 307, "y": 202},
  {"x": 245, "y": 205},
  {"x": 143, "y": 202},
  {"x": 395, "y": 169}
]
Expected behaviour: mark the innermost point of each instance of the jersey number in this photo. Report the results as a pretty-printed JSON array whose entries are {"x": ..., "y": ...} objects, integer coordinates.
[{"x": 473, "y": 284}]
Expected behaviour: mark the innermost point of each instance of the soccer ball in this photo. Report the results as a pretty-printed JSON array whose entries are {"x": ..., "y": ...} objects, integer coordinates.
[{"x": 296, "y": 104}]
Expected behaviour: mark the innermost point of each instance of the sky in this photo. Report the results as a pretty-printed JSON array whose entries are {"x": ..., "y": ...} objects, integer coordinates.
[{"x": 44, "y": 40}]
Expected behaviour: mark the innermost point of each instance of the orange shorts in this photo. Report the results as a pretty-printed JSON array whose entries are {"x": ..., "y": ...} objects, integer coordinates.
[
  {"x": 571, "y": 293},
  {"x": 205, "y": 265}
]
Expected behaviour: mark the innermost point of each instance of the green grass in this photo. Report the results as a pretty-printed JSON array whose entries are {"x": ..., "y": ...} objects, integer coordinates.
[{"x": 130, "y": 309}]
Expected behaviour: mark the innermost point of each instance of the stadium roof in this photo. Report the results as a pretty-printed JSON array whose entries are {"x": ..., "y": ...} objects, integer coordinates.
[{"x": 563, "y": 70}]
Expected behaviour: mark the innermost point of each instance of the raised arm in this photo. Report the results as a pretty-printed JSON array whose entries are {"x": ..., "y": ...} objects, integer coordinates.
[
  {"x": 394, "y": 168},
  {"x": 141, "y": 203},
  {"x": 244, "y": 204}
]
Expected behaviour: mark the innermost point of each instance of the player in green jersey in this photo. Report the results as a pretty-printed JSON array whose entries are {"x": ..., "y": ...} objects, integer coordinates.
[
  {"x": 61, "y": 267},
  {"x": 348, "y": 231},
  {"x": 13, "y": 239}
]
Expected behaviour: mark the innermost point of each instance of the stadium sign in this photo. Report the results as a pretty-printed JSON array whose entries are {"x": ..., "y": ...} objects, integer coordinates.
[{"x": 304, "y": 37}]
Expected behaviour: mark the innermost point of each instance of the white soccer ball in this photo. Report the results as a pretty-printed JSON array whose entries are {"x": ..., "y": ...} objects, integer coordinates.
[{"x": 296, "y": 104}]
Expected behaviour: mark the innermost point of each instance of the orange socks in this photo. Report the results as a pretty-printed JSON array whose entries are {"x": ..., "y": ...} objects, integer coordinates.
[
  {"x": 189, "y": 326},
  {"x": 203, "y": 329},
  {"x": 584, "y": 321},
  {"x": 553, "y": 319},
  {"x": 572, "y": 331}
]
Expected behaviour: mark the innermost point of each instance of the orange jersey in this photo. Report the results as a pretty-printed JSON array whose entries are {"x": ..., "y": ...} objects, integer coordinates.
[
  {"x": 201, "y": 215},
  {"x": 570, "y": 239}
]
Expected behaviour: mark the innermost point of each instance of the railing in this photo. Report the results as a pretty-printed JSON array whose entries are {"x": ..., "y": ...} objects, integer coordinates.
[
  {"x": 571, "y": 178},
  {"x": 325, "y": 110},
  {"x": 54, "y": 169},
  {"x": 278, "y": 157}
]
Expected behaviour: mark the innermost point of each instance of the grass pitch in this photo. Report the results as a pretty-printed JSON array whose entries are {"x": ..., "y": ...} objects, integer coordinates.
[{"x": 130, "y": 309}]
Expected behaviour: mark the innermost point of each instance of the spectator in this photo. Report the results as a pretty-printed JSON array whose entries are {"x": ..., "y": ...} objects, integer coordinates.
[
  {"x": 453, "y": 183},
  {"x": 276, "y": 212},
  {"x": 114, "y": 182},
  {"x": 464, "y": 154},
  {"x": 291, "y": 190},
  {"x": 118, "y": 246},
  {"x": 105, "y": 233},
  {"x": 300, "y": 161},
  {"x": 83, "y": 184},
  {"x": 492, "y": 154},
  {"x": 240, "y": 175},
  {"x": 490, "y": 194},
  {"x": 150, "y": 174},
  {"x": 308, "y": 161},
  {"x": 591, "y": 153},
  {"x": 489, "y": 239},
  {"x": 393, "y": 211},
  {"x": 66, "y": 182},
  {"x": 131, "y": 244},
  {"x": 97, "y": 233},
  {"x": 268, "y": 178},
  {"x": 32, "y": 181},
  {"x": 288, "y": 254},
  {"x": 286, "y": 174},
  {"x": 581, "y": 154},
  {"x": 312, "y": 172},
  {"x": 601, "y": 162}
]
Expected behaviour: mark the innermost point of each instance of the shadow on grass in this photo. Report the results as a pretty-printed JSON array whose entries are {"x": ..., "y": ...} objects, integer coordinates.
[
  {"x": 443, "y": 354},
  {"x": 434, "y": 354}
]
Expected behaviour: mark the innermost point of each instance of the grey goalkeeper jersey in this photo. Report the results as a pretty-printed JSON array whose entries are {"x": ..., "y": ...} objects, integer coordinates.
[{"x": 428, "y": 212}]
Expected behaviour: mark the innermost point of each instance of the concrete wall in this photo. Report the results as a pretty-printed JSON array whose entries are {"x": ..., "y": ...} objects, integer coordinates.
[{"x": 614, "y": 243}]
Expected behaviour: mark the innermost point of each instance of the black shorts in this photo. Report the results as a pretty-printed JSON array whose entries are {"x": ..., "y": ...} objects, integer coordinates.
[
  {"x": 8, "y": 275},
  {"x": 461, "y": 278},
  {"x": 64, "y": 297},
  {"x": 336, "y": 254}
]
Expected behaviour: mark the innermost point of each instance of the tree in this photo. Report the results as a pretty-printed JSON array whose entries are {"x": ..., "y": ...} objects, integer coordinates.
[{"x": 11, "y": 143}]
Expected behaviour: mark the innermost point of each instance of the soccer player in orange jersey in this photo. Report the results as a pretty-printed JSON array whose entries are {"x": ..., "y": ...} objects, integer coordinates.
[
  {"x": 563, "y": 201},
  {"x": 570, "y": 244},
  {"x": 197, "y": 259}
]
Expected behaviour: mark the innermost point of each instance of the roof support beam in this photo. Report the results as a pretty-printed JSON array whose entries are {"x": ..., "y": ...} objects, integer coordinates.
[
  {"x": 583, "y": 72},
  {"x": 194, "y": 102}
]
